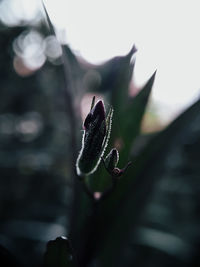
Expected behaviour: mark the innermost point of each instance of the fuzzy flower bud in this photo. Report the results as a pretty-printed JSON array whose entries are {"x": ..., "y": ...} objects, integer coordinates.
[
  {"x": 95, "y": 137},
  {"x": 112, "y": 159}
]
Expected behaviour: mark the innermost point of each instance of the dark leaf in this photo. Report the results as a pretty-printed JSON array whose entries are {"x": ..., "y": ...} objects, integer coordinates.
[
  {"x": 58, "y": 253},
  {"x": 121, "y": 212},
  {"x": 131, "y": 118}
]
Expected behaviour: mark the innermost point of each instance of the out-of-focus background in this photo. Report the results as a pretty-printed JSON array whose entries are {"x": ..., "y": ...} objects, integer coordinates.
[
  {"x": 35, "y": 192},
  {"x": 166, "y": 35}
]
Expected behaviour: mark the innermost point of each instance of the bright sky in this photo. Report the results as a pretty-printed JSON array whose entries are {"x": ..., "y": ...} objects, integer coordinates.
[{"x": 166, "y": 34}]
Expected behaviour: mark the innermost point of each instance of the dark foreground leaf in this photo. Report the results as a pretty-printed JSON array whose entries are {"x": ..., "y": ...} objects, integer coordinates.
[
  {"x": 120, "y": 213},
  {"x": 7, "y": 259},
  {"x": 58, "y": 253},
  {"x": 131, "y": 118}
]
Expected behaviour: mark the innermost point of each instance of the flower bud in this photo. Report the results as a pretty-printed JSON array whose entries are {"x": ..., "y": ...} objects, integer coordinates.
[
  {"x": 112, "y": 159},
  {"x": 95, "y": 137}
]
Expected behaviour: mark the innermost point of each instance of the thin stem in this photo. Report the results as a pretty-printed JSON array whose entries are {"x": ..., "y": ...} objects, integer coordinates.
[
  {"x": 91, "y": 228},
  {"x": 90, "y": 231},
  {"x": 87, "y": 189},
  {"x": 108, "y": 191}
]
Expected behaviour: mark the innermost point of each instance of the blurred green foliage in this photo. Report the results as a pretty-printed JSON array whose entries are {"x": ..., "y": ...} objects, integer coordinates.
[{"x": 151, "y": 218}]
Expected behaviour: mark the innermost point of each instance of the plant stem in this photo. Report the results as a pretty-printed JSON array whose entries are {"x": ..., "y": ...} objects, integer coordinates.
[{"x": 90, "y": 232}]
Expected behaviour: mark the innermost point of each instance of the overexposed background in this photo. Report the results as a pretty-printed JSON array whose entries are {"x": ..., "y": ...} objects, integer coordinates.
[{"x": 166, "y": 34}]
